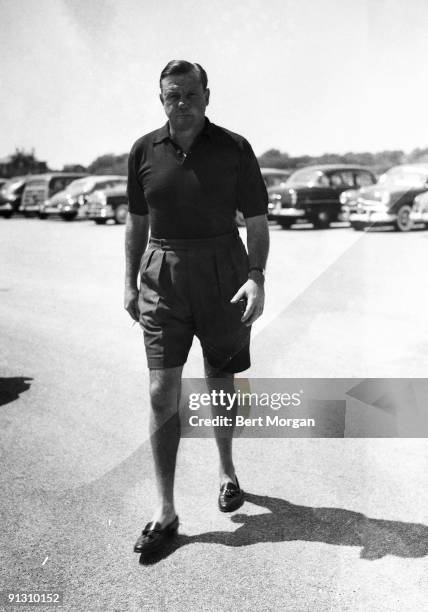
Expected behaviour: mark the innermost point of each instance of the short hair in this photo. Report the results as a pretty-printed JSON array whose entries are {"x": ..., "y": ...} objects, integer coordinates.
[{"x": 184, "y": 67}]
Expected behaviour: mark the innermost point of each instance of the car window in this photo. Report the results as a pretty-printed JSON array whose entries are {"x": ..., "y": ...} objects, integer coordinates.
[
  {"x": 56, "y": 184},
  {"x": 305, "y": 177},
  {"x": 323, "y": 180},
  {"x": 362, "y": 179},
  {"x": 336, "y": 179},
  {"x": 272, "y": 180},
  {"x": 348, "y": 178}
]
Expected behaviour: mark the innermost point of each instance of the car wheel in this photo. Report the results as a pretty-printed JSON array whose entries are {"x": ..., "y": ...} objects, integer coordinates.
[
  {"x": 43, "y": 216},
  {"x": 285, "y": 223},
  {"x": 100, "y": 221},
  {"x": 8, "y": 214},
  {"x": 358, "y": 227},
  {"x": 26, "y": 214},
  {"x": 404, "y": 222},
  {"x": 120, "y": 214},
  {"x": 322, "y": 220}
]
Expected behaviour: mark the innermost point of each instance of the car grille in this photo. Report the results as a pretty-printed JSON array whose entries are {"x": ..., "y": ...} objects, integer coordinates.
[{"x": 34, "y": 197}]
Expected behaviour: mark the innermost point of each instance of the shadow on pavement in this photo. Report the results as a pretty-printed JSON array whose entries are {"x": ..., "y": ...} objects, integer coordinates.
[
  {"x": 11, "y": 388},
  {"x": 288, "y": 522}
]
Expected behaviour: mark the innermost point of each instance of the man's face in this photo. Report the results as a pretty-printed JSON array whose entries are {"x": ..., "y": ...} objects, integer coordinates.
[{"x": 184, "y": 100}]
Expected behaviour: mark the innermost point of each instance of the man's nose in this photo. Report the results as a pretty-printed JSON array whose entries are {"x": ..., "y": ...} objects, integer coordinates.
[{"x": 182, "y": 103}]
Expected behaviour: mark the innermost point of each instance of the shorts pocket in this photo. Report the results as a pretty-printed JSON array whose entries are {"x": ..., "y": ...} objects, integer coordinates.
[{"x": 146, "y": 259}]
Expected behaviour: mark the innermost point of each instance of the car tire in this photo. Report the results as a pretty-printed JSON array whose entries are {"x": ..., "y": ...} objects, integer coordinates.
[
  {"x": 403, "y": 222},
  {"x": 120, "y": 214},
  {"x": 100, "y": 221},
  {"x": 43, "y": 216},
  {"x": 358, "y": 227},
  {"x": 285, "y": 223},
  {"x": 8, "y": 214},
  {"x": 322, "y": 220}
]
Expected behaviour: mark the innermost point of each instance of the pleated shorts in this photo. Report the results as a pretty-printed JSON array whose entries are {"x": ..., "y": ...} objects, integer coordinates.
[{"x": 185, "y": 290}]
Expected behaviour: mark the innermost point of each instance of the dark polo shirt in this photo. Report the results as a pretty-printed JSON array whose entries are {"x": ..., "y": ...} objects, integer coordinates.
[{"x": 194, "y": 196}]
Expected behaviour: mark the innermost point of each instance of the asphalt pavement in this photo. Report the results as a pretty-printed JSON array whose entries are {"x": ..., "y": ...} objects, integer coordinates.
[{"x": 328, "y": 523}]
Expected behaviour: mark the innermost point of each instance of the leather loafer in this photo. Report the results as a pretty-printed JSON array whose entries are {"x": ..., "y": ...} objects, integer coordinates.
[
  {"x": 231, "y": 497},
  {"x": 154, "y": 536}
]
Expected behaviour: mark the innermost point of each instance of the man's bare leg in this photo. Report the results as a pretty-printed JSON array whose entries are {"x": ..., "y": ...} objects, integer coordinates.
[
  {"x": 165, "y": 386},
  {"x": 219, "y": 380}
]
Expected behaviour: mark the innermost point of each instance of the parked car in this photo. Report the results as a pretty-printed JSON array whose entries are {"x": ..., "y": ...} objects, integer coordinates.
[
  {"x": 313, "y": 194},
  {"x": 275, "y": 176},
  {"x": 390, "y": 201},
  {"x": 111, "y": 203},
  {"x": 348, "y": 198},
  {"x": 11, "y": 194},
  {"x": 70, "y": 203},
  {"x": 43, "y": 186},
  {"x": 271, "y": 177},
  {"x": 419, "y": 212}
]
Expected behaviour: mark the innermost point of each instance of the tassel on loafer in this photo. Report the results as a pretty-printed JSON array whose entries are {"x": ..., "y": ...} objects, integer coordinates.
[
  {"x": 231, "y": 497},
  {"x": 154, "y": 536}
]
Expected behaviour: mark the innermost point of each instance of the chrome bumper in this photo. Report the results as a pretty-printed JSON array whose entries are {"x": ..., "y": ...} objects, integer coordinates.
[
  {"x": 287, "y": 212},
  {"x": 372, "y": 217},
  {"x": 419, "y": 217}
]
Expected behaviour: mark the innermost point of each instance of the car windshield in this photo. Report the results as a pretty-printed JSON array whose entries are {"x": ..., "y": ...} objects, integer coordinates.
[
  {"x": 307, "y": 177},
  {"x": 272, "y": 178},
  {"x": 11, "y": 185},
  {"x": 409, "y": 177},
  {"x": 80, "y": 186}
]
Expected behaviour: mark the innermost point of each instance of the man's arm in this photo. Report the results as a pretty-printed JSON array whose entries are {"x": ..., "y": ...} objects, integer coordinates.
[
  {"x": 136, "y": 236},
  {"x": 258, "y": 249}
]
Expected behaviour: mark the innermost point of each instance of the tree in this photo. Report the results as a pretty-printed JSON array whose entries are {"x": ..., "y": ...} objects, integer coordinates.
[
  {"x": 109, "y": 164},
  {"x": 22, "y": 162}
]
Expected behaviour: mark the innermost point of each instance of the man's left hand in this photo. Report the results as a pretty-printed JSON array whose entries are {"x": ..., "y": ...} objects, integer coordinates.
[{"x": 254, "y": 294}]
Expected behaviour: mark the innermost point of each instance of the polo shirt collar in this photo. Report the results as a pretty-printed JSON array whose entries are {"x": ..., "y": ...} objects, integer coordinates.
[{"x": 163, "y": 134}]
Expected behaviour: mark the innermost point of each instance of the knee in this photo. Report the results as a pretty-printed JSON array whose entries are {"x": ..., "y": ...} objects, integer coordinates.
[{"x": 162, "y": 396}]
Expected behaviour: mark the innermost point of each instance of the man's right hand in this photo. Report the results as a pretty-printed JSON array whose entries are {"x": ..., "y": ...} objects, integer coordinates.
[{"x": 131, "y": 302}]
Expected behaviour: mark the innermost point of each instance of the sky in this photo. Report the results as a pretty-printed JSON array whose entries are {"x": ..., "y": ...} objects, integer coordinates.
[{"x": 79, "y": 78}]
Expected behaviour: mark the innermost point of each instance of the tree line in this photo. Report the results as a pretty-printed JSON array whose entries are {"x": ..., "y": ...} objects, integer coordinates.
[{"x": 22, "y": 162}]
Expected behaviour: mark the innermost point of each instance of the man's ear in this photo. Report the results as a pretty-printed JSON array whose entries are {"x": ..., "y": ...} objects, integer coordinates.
[{"x": 207, "y": 96}]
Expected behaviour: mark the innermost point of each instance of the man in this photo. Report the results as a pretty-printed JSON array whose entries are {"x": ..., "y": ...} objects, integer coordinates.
[{"x": 185, "y": 182}]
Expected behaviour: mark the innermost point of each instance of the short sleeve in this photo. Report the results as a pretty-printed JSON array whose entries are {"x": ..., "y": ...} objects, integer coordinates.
[
  {"x": 136, "y": 197},
  {"x": 252, "y": 194}
]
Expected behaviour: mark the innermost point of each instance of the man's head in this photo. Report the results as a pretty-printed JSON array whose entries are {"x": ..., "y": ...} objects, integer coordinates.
[{"x": 184, "y": 94}]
